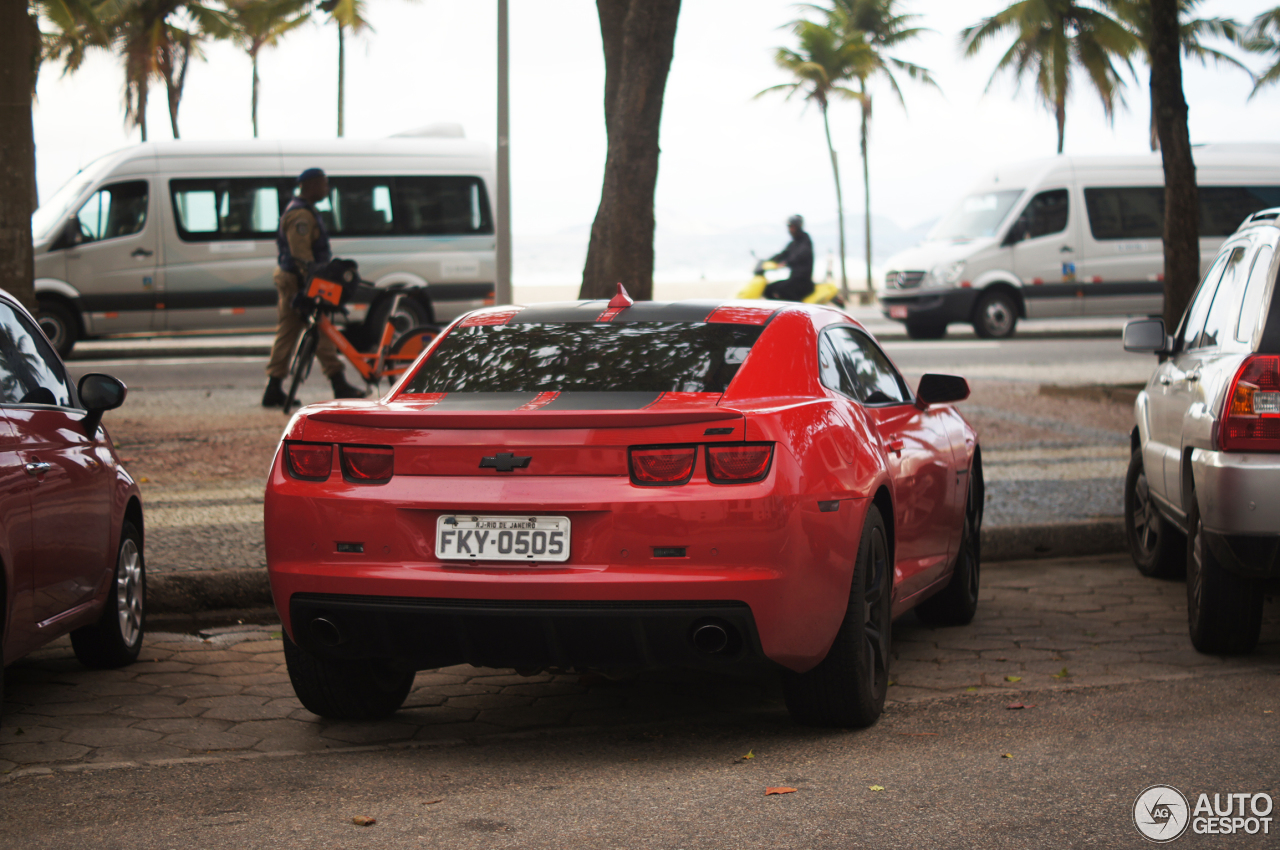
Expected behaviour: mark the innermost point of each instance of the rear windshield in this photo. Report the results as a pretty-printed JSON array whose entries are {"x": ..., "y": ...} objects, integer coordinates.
[{"x": 577, "y": 357}]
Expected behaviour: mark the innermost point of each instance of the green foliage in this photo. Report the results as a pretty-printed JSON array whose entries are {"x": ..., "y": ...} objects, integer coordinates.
[{"x": 1263, "y": 36}]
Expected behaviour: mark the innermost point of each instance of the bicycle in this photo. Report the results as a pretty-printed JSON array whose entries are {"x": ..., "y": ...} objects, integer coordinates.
[{"x": 323, "y": 298}]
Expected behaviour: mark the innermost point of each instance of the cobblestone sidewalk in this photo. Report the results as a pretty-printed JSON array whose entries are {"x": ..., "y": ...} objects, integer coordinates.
[{"x": 224, "y": 694}]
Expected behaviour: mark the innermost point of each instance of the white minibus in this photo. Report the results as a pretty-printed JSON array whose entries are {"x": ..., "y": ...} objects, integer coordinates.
[
  {"x": 1067, "y": 236},
  {"x": 181, "y": 236}
]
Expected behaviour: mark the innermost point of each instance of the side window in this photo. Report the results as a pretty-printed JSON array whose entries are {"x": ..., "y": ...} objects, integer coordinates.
[
  {"x": 1224, "y": 208},
  {"x": 215, "y": 210},
  {"x": 113, "y": 211},
  {"x": 358, "y": 206},
  {"x": 1129, "y": 212},
  {"x": 1224, "y": 312},
  {"x": 1193, "y": 320},
  {"x": 443, "y": 205},
  {"x": 1251, "y": 304},
  {"x": 1046, "y": 213},
  {"x": 30, "y": 373},
  {"x": 867, "y": 373},
  {"x": 828, "y": 369}
]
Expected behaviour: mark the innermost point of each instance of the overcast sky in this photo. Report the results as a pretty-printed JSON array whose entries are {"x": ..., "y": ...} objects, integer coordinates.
[{"x": 728, "y": 160}]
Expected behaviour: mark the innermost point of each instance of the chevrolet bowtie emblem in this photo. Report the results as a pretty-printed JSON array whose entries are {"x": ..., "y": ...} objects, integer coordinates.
[{"x": 505, "y": 462}]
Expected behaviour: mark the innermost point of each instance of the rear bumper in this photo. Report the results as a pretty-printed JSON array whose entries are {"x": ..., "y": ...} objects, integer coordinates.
[
  {"x": 428, "y": 633},
  {"x": 774, "y": 566},
  {"x": 940, "y": 306},
  {"x": 1237, "y": 492}
]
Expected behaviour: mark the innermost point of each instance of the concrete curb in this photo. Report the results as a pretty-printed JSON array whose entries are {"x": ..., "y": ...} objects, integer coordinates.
[{"x": 191, "y": 593}]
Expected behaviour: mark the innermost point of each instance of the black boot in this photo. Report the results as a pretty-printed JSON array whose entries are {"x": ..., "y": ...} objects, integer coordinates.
[
  {"x": 273, "y": 395},
  {"x": 341, "y": 389}
]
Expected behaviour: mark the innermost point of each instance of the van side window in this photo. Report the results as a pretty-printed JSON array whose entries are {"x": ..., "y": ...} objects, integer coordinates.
[
  {"x": 1224, "y": 312},
  {"x": 1132, "y": 212},
  {"x": 1046, "y": 213},
  {"x": 113, "y": 211},
  {"x": 218, "y": 210},
  {"x": 1251, "y": 304},
  {"x": 1224, "y": 208},
  {"x": 1192, "y": 327},
  {"x": 444, "y": 206}
]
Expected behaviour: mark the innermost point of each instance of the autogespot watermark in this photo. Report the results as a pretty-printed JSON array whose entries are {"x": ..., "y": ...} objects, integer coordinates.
[{"x": 1162, "y": 813}]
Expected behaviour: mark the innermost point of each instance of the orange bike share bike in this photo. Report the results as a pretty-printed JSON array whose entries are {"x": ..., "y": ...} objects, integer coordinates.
[{"x": 326, "y": 294}]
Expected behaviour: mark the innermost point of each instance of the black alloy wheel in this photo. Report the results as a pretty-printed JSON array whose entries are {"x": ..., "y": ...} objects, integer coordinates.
[
  {"x": 848, "y": 687},
  {"x": 957, "y": 603}
]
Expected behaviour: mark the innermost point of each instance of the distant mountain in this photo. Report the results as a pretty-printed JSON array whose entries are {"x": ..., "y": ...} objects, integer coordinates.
[{"x": 687, "y": 249}]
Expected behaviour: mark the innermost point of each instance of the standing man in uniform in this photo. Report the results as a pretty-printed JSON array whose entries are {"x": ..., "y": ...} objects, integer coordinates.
[
  {"x": 302, "y": 241},
  {"x": 798, "y": 257}
]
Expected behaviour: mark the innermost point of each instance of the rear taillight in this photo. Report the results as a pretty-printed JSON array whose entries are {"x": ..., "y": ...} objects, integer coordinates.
[
  {"x": 368, "y": 464},
  {"x": 309, "y": 461},
  {"x": 738, "y": 464},
  {"x": 1251, "y": 414},
  {"x": 656, "y": 466}
]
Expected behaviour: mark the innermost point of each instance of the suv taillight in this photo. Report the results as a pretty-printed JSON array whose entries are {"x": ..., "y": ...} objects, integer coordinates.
[
  {"x": 655, "y": 466},
  {"x": 309, "y": 461},
  {"x": 738, "y": 464},
  {"x": 1251, "y": 414},
  {"x": 368, "y": 464}
]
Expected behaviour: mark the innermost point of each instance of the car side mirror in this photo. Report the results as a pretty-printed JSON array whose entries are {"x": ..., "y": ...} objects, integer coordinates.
[
  {"x": 940, "y": 389},
  {"x": 99, "y": 393},
  {"x": 1147, "y": 336}
]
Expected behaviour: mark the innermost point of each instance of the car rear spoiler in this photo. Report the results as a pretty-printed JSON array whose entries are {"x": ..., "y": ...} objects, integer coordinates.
[{"x": 400, "y": 417}]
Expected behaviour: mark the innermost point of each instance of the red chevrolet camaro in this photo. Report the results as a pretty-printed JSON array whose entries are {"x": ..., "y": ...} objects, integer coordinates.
[{"x": 606, "y": 485}]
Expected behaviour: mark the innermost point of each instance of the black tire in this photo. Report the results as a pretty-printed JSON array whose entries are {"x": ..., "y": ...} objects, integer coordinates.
[
  {"x": 1224, "y": 610},
  {"x": 848, "y": 687},
  {"x": 303, "y": 356},
  {"x": 995, "y": 315},
  {"x": 924, "y": 329},
  {"x": 59, "y": 324},
  {"x": 1157, "y": 547},
  {"x": 957, "y": 603},
  {"x": 116, "y": 639},
  {"x": 412, "y": 312},
  {"x": 353, "y": 691}
]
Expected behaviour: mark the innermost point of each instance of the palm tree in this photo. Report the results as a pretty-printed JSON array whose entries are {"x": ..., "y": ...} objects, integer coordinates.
[
  {"x": 823, "y": 62},
  {"x": 1263, "y": 36},
  {"x": 346, "y": 14},
  {"x": 1136, "y": 14},
  {"x": 881, "y": 27},
  {"x": 262, "y": 23},
  {"x": 154, "y": 44},
  {"x": 77, "y": 25},
  {"x": 1051, "y": 39}
]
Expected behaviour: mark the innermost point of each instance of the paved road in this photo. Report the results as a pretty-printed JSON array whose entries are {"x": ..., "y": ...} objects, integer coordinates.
[{"x": 202, "y": 743}]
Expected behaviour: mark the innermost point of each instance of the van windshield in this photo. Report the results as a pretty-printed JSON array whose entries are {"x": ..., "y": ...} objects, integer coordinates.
[
  {"x": 54, "y": 211},
  {"x": 976, "y": 216}
]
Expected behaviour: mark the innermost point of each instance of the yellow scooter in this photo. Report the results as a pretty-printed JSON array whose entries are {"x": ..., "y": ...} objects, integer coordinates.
[{"x": 823, "y": 293}]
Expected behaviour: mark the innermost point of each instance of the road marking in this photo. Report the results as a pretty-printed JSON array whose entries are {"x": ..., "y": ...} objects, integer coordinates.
[
  {"x": 990, "y": 456},
  {"x": 958, "y": 345}
]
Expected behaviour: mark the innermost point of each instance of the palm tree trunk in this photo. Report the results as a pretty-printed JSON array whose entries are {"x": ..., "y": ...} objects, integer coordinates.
[
  {"x": 18, "y": 45},
  {"x": 1181, "y": 196},
  {"x": 835, "y": 171},
  {"x": 1155, "y": 134},
  {"x": 342, "y": 73},
  {"x": 254, "y": 56},
  {"x": 866, "y": 190},
  {"x": 639, "y": 39},
  {"x": 141, "y": 117},
  {"x": 1060, "y": 113}
]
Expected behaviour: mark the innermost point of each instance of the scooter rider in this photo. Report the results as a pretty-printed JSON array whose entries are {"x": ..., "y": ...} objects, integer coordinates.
[
  {"x": 798, "y": 257},
  {"x": 302, "y": 241}
]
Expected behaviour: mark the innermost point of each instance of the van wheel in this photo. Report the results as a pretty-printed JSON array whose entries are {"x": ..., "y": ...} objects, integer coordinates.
[
  {"x": 412, "y": 312},
  {"x": 921, "y": 329},
  {"x": 1224, "y": 610},
  {"x": 58, "y": 323},
  {"x": 996, "y": 315}
]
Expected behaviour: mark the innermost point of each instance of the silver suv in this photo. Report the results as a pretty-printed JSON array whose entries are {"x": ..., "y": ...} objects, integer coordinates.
[{"x": 1203, "y": 488}]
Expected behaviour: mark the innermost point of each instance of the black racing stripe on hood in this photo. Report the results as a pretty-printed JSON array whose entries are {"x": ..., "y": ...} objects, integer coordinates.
[
  {"x": 483, "y": 401},
  {"x": 641, "y": 311},
  {"x": 602, "y": 401}
]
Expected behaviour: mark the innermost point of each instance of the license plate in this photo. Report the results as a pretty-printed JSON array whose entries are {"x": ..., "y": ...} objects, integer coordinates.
[
  {"x": 465, "y": 537},
  {"x": 898, "y": 311}
]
